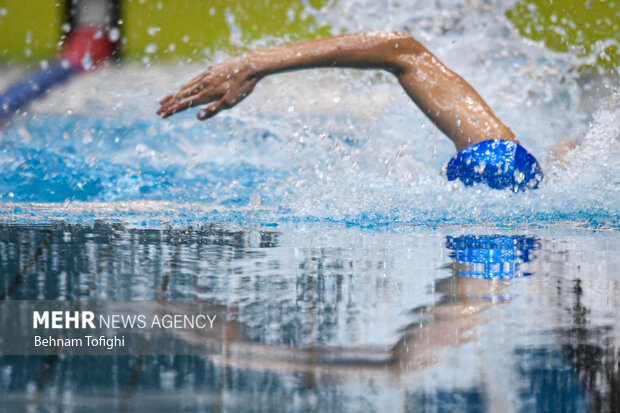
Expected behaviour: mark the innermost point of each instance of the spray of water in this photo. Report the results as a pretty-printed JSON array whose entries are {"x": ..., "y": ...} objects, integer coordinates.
[{"x": 326, "y": 145}]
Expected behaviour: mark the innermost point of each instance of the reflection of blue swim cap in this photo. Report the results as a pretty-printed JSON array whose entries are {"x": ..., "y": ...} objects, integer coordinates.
[
  {"x": 491, "y": 256},
  {"x": 498, "y": 163}
]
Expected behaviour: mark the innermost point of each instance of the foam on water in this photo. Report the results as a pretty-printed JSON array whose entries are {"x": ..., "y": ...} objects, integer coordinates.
[{"x": 327, "y": 145}]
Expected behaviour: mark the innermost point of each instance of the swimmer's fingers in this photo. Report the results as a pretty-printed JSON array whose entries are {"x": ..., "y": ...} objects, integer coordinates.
[
  {"x": 227, "y": 101},
  {"x": 191, "y": 88},
  {"x": 212, "y": 110},
  {"x": 165, "y": 99},
  {"x": 174, "y": 104},
  {"x": 165, "y": 103},
  {"x": 200, "y": 78},
  {"x": 171, "y": 104},
  {"x": 184, "y": 92},
  {"x": 172, "y": 108},
  {"x": 198, "y": 84},
  {"x": 179, "y": 96},
  {"x": 194, "y": 94}
]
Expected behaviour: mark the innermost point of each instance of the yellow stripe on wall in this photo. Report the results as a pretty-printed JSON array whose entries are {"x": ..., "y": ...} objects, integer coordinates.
[
  {"x": 30, "y": 29},
  {"x": 173, "y": 28},
  {"x": 586, "y": 28}
]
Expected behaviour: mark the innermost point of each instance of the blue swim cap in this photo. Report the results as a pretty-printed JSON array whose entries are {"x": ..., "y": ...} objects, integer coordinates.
[{"x": 498, "y": 163}]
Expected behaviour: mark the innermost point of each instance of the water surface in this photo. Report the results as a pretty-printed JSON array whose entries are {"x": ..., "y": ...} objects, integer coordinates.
[{"x": 333, "y": 317}]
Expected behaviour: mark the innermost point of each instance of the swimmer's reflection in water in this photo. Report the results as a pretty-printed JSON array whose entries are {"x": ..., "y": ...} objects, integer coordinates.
[
  {"x": 478, "y": 269},
  {"x": 487, "y": 150},
  {"x": 491, "y": 256},
  {"x": 477, "y": 261}
]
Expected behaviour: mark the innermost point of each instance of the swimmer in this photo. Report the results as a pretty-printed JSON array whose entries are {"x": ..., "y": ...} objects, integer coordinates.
[{"x": 487, "y": 150}]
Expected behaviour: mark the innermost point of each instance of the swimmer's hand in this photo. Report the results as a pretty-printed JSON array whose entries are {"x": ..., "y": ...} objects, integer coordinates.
[{"x": 223, "y": 86}]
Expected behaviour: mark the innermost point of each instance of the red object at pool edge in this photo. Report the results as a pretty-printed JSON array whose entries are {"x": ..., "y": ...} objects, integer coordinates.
[{"x": 87, "y": 47}]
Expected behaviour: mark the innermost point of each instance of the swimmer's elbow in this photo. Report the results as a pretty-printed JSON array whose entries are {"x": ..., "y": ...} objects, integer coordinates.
[{"x": 404, "y": 50}]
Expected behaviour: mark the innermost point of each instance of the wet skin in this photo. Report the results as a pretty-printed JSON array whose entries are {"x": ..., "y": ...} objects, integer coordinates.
[{"x": 445, "y": 97}]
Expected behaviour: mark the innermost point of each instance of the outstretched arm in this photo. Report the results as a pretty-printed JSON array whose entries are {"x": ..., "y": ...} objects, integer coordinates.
[{"x": 446, "y": 98}]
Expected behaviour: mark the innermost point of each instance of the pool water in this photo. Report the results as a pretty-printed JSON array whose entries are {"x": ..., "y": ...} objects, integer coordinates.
[
  {"x": 327, "y": 145},
  {"x": 333, "y": 317},
  {"x": 355, "y": 276}
]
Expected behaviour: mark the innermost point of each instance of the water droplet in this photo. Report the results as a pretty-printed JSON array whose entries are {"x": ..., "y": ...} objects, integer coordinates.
[
  {"x": 481, "y": 167},
  {"x": 151, "y": 48},
  {"x": 114, "y": 34},
  {"x": 167, "y": 379},
  {"x": 519, "y": 176},
  {"x": 31, "y": 388},
  {"x": 255, "y": 201},
  {"x": 87, "y": 62}
]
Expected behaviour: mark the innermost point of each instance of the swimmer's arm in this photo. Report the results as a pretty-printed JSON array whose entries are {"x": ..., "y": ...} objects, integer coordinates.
[
  {"x": 448, "y": 100},
  {"x": 228, "y": 82}
]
